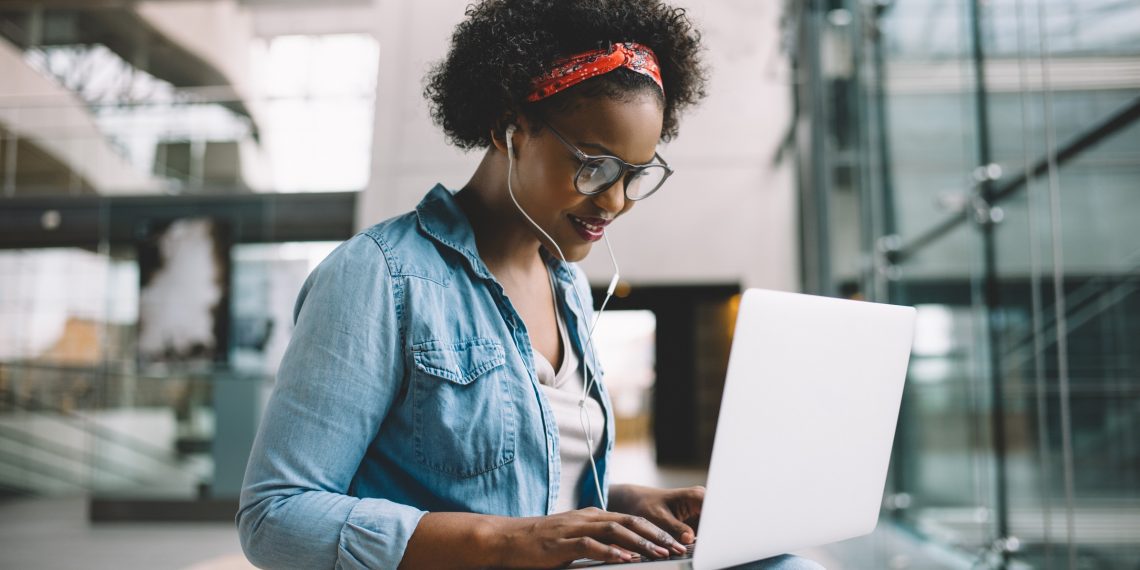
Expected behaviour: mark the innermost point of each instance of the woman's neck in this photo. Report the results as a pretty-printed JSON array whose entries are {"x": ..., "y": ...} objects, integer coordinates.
[{"x": 505, "y": 240}]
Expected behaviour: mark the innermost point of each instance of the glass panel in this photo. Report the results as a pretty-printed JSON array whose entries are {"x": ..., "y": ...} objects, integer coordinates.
[
  {"x": 54, "y": 337},
  {"x": 945, "y": 460},
  {"x": 928, "y": 79},
  {"x": 1066, "y": 268},
  {"x": 82, "y": 411},
  {"x": 1071, "y": 376},
  {"x": 133, "y": 363}
]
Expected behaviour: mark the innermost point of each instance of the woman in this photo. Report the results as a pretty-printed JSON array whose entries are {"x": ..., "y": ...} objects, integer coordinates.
[{"x": 439, "y": 404}]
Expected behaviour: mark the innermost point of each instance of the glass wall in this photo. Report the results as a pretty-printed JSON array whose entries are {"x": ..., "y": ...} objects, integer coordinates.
[
  {"x": 167, "y": 182},
  {"x": 980, "y": 160}
]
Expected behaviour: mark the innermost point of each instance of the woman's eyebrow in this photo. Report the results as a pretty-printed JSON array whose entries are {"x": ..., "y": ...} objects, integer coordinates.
[{"x": 598, "y": 146}]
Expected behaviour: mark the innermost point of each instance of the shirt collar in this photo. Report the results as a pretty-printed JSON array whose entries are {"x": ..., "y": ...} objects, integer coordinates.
[
  {"x": 440, "y": 216},
  {"x": 560, "y": 268}
]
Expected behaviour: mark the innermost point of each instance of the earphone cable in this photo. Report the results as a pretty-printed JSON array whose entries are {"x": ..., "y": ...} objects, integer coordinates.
[{"x": 588, "y": 380}]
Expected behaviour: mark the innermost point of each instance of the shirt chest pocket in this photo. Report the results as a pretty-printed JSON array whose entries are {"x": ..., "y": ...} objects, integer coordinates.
[{"x": 464, "y": 413}]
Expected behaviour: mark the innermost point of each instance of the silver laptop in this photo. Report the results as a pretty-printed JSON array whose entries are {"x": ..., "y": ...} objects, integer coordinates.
[{"x": 806, "y": 426}]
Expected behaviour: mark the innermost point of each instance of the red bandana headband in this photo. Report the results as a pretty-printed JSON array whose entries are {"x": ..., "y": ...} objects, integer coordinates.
[{"x": 578, "y": 68}]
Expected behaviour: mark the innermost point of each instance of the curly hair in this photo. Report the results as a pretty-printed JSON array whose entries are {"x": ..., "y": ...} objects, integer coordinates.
[{"x": 502, "y": 45}]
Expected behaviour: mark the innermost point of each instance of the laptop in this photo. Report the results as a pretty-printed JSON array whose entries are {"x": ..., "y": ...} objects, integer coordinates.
[{"x": 806, "y": 424}]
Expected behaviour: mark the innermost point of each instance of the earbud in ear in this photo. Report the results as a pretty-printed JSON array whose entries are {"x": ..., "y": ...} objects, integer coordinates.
[{"x": 510, "y": 139}]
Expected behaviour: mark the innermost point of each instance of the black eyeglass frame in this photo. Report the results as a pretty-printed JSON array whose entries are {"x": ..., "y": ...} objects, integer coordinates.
[{"x": 626, "y": 168}]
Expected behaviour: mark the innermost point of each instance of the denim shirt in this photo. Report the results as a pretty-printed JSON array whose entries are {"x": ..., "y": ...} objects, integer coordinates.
[{"x": 408, "y": 387}]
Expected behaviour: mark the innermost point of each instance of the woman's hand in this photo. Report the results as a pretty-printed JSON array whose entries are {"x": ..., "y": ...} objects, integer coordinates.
[
  {"x": 675, "y": 510},
  {"x": 557, "y": 540},
  {"x": 643, "y": 522}
]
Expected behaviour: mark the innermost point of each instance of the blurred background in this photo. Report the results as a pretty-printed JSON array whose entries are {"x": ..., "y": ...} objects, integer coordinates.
[{"x": 171, "y": 170}]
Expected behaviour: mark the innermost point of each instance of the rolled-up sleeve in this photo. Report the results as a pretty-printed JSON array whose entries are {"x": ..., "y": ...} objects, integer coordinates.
[{"x": 336, "y": 383}]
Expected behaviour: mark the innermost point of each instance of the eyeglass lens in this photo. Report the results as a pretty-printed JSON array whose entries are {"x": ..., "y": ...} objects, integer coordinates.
[{"x": 600, "y": 173}]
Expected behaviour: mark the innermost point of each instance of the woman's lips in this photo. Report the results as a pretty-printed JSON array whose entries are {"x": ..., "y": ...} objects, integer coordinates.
[{"x": 591, "y": 229}]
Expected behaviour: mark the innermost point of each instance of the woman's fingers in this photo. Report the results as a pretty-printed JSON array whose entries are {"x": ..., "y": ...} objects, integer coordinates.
[
  {"x": 587, "y": 547},
  {"x": 686, "y": 503},
  {"x": 612, "y": 537},
  {"x": 614, "y": 533},
  {"x": 649, "y": 530},
  {"x": 639, "y": 535},
  {"x": 679, "y": 529}
]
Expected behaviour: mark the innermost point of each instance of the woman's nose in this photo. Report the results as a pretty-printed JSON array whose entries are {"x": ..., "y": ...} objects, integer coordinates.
[{"x": 613, "y": 199}]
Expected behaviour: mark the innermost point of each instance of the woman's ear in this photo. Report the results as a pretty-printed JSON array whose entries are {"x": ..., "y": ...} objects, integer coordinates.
[
  {"x": 499, "y": 138},
  {"x": 501, "y": 128},
  {"x": 510, "y": 136}
]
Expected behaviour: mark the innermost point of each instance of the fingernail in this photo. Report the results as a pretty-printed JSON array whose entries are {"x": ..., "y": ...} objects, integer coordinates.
[
  {"x": 626, "y": 556},
  {"x": 660, "y": 551}
]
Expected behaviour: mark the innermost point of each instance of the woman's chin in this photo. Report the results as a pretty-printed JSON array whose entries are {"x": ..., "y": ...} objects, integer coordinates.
[
  {"x": 580, "y": 257},
  {"x": 577, "y": 252},
  {"x": 573, "y": 249}
]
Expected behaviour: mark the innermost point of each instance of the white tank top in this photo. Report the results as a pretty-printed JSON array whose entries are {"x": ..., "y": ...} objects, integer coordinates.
[{"x": 563, "y": 389}]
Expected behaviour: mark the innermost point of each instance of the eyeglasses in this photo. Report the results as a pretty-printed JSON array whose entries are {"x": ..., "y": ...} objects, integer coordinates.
[{"x": 598, "y": 172}]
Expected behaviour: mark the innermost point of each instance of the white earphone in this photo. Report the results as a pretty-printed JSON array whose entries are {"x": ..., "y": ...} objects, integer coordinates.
[
  {"x": 587, "y": 378},
  {"x": 510, "y": 139}
]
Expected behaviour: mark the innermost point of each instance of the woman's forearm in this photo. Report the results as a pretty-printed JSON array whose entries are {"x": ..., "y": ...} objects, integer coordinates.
[{"x": 455, "y": 540}]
